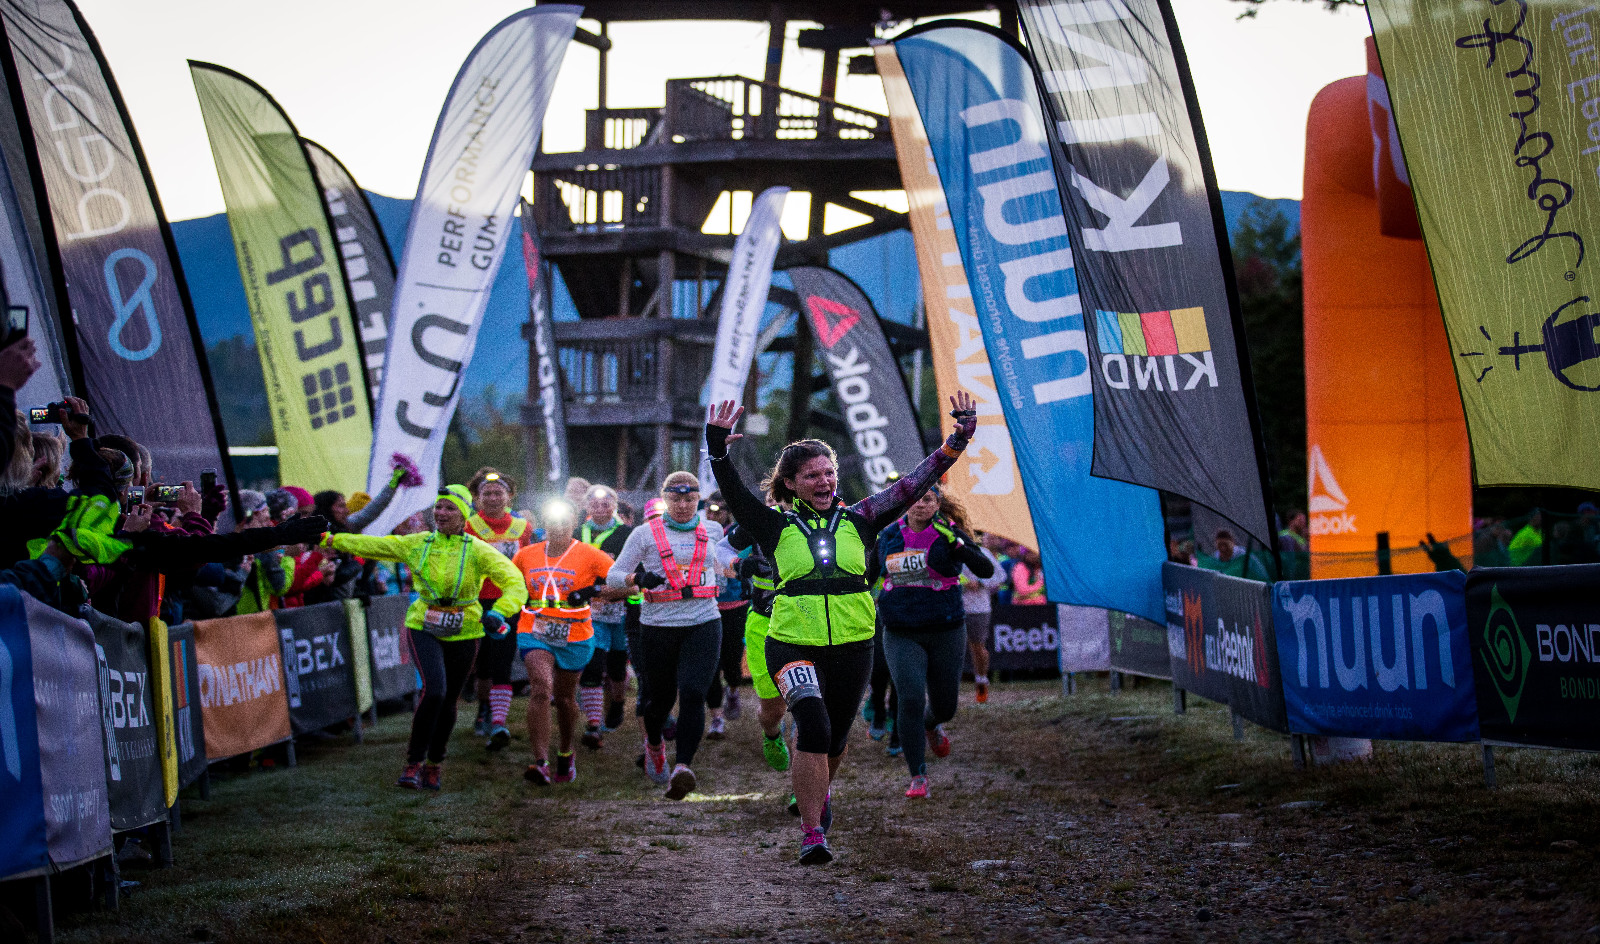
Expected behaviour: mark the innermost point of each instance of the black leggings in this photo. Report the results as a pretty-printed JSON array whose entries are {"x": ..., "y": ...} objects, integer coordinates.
[
  {"x": 882, "y": 684},
  {"x": 604, "y": 664},
  {"x": 444, "y": 667},
  {"x": 822, "y": 725},
  {"x": 926, "y": 663},
  {"x": 681, "y": 660},
  {"x": 730, "y": 664}
]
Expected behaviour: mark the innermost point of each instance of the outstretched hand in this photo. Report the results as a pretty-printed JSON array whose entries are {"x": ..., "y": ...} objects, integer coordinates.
[
  {"x": 725, "y": 415},
  {"x": 965, "y": 410}
]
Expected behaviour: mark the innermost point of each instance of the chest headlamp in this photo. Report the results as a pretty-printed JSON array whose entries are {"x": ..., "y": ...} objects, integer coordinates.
[{"x": 822, "y": 552}]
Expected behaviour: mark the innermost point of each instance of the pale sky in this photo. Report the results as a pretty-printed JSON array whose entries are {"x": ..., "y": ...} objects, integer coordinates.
[{"x": 366, "y": 78}]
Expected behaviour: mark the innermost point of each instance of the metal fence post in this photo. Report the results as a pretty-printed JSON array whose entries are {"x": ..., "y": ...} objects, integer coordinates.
[
  {"x": 1180, "y": 701},
  {"x": 1488, "y": 767}
]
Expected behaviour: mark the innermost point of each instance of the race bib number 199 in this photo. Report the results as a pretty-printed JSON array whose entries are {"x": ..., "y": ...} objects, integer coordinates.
[{"x": 797, "y": 681}]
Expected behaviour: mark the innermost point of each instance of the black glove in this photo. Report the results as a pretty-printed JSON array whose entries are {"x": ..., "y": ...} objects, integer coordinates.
[
  {"x": 578, "y": 598},
  {"x": 749, "y": 567},
  {"x": 646, "y": 580},
  {"x": 717, "y": 440},
  {"x": 306, "y": 530}
]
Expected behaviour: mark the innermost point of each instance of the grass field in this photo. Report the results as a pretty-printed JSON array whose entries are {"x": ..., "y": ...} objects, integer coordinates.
[{"x": 1099, "y": 816}]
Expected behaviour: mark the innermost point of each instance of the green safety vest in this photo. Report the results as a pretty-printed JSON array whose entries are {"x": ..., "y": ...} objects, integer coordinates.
[{"x": 816, "y": 609}]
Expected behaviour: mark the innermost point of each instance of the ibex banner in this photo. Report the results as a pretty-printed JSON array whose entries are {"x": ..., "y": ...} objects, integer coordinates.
[
  {"x": 289, "y": 261},
  {"x": 241, "y": 684},
  {"x": 118, "y": 269},
  {"x": 1220, "y": 642},
  {"x": 368, "y": 266},
  {"x": 1172, "y": 403},
  {"x": 128, "y": 710},
  {"x": 72, "y": 737},
  {"x": 460, "y": 220},
  {"x": 22, "y": 830},
  {"x": 866, "y": 378},
  {"x": 1379, "y": 657},
  {"x": 1101, "y": 540},
  {"x": 551, "y": 408},
  {"x": 1493, "y": 101},
  {"x": 987, "y": 484},
  {"x": 317, "y": 655}
]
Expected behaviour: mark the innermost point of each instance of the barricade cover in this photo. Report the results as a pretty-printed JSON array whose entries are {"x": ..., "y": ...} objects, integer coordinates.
[
  {"x": 241, "y": 684},
  {"x": 1024, "y": 638},
  {"x": 1138, "y": 646},
  {"x": 355, "y": 617},
  {"x": 133, "y": 754},
  {"x": 1085, "y": 644},
  {"x": 72, "y": 743},
  {"x": 188, "y": 724},
  {"x": 317, "y": 665},
  {"x": 1377, "y": 657},
  {"x": 161, "y": 690},
  {"x": 1220, "y": 642},
  {"x": 1535, "y": 635},
  {"x": 23, "y": 849},
  {"x": 394, "y": 674}
]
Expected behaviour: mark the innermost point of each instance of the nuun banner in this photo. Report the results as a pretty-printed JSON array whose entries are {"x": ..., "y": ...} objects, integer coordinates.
[
  {"x": 546, "y": 366},
  {"x": 1173, "y": 408},
  {"x": 118, "y": 274},
  {"x": 1101, "y": 540},
  {"x": 460, "y": 221},
  {"x": 866, "y": 378},
  {"x": 1377, "y": 657},
  {"x": 22, "y": 828},
  {"x": 368, "y": 266},
  {"x": 1220, "y": 642},
  {"x": 1535, "y": 636},
  {"x": 744, "y": 298}
]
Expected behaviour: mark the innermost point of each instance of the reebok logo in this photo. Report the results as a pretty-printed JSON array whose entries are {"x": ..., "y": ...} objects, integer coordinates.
[
  {"x": 821, "y": 309},
  {"x": 852, "y": 383},
  {"x": 1327, "y": 502}
]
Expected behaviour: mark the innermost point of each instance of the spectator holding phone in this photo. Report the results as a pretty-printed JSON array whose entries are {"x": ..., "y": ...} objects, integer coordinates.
[
  {"x": 30, "y": 513},
  {"x": 17, "y": 365}
]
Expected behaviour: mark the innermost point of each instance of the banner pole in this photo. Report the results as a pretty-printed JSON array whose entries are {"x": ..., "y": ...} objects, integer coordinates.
[{"x": 1488, "y": 767}]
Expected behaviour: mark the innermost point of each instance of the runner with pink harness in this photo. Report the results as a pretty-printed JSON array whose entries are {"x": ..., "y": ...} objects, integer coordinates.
[{"x": 681, "y": 585}]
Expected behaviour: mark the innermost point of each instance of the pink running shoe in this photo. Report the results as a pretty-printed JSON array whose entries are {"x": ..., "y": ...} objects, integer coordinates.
[
  {"x": 938, "y": 741},
  {"x": 918, "y": 789}
]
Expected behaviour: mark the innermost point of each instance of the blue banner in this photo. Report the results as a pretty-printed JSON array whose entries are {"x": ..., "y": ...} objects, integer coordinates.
[
  {"x": 1377, "y": 657},
  {"x": 1101, "y": 540},
  {"x": 22, "y": 832}
]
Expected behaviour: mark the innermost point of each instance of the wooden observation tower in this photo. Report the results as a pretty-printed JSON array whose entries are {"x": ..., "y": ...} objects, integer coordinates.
[{"x": 622, "y": 218}]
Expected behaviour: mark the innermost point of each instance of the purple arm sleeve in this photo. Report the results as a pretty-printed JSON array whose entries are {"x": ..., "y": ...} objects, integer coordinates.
[{"x": 891, "y": 503}]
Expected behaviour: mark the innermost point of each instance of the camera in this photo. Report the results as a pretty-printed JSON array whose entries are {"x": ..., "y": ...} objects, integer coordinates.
[
  {"x": 16, "y": 327},
  {"x": 40, "y": 415},
  {"x": 153, "y": 494}
]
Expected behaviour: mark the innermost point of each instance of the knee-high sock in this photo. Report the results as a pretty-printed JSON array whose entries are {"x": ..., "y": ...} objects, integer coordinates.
[
  {"x": 499, "y": 704},
  {"x": 592, "y": 699}
]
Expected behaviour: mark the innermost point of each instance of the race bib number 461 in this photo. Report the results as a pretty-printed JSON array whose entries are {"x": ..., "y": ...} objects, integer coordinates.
[{"x": 797, "y": 681}]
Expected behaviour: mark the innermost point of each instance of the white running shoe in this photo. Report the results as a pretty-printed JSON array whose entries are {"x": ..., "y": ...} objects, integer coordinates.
[
  {"x": 682, "y": 784},
  {"x": 655, "y": 762},
  {"x": 717, "y": 729}
]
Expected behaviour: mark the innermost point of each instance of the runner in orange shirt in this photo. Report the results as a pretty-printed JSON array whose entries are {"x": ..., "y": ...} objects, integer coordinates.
[{"x": 555, "y": 635}]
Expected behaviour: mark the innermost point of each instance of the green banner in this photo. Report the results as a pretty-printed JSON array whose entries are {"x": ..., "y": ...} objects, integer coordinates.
[
  {"x": 1498, "y": 108},
  {"x": 289, "y": 262}
]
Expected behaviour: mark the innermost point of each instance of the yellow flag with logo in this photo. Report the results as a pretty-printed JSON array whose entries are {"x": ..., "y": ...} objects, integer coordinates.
[
  {"x": 1497, "y": 103},
  {"x": 294, "y": 283}
]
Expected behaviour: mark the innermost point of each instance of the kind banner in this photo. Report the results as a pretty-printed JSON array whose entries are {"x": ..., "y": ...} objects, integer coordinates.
[
  {"x": 546, "y": 364},
  {"x": 368, "y": 266},
  {"x": 866, "y": 378},
  {"x": 1172, "y": 402},
  {"x": 987, "y": 484},
  {"x": 1101, "y": 540},
  {"x": 1493, "y": 100},
  {"x": 290, "y": 263},
  {"x": 137, "y": 345},
  {"x": 460, "y": 221}
]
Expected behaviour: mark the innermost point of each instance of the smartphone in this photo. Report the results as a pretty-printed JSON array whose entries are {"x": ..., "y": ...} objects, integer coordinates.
[
  {"x": 162, "y": 494},
  {"x": 208, "y": 481},
  {"x": 16, "y": 327},
  {"x": 135, "y": 496}
]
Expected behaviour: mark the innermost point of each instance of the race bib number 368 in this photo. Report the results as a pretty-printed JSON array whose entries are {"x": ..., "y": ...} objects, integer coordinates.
[{"x": 797, "y": 681}]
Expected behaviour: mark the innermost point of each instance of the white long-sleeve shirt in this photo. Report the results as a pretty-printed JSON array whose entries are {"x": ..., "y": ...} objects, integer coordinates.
[
  {"x": 641, "y": 549},
  {"x": 977, "y": 592}
]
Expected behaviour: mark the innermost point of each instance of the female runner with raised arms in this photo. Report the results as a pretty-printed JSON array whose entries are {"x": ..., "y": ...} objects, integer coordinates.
[{"x": 819, "y": 643}]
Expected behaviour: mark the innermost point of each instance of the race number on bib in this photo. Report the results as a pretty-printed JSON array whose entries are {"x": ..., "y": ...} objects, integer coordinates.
[
  {"x": 552, "y": 632},
  {"x": 442, "y": 621},
  {"x": 797, "y": 681},
  {"x": 906, "y": 563}
]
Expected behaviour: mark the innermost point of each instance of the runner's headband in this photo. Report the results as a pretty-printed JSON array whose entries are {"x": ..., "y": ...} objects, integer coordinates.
[{"x": 681, "y": 489}]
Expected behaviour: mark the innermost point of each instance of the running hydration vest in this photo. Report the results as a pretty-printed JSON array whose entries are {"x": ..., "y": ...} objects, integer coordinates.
[
  {"x": 682, "y": 584},
  {"x": 822, "y": 596},
  {"x": 507, "y": 542}
]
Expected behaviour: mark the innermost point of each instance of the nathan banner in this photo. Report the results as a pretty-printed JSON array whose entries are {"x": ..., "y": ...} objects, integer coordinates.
[
  {"x": 394, "y": 672},
  {"x": 72, "y": 738},
  {"x": 1505, "y": 186},
  {"x": 118, "y": 268},
  {"x": 1386, "y": 438},
  {"x": 480, "y": 154},
  {"x": 1083, "y": 640},
  {"x": 241, "y": 684},
  {"x": 744, "y": 299},
  {"x": 289, "y": 260},
  {"x": 368, "y": 266},
  {"x": 1220, "y": 642},
  {"x": 187, "y": 722},
  {"x": 319, "y": 664},
  {"x": 1535, "y": 637},
  {"x": 1101, "y": 540},
  {"x": 546, "y": 365},
  {"x": 1138, "y": 646},
  {"x": 1173, "y": 405},
  {"x": 866, "y": 378},
  {"x": 987, "y": 484},
  {"x": 127, "y": 709},
  {"x": 1378, "y": 657},
  {"x": 23, "y": 849}
]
